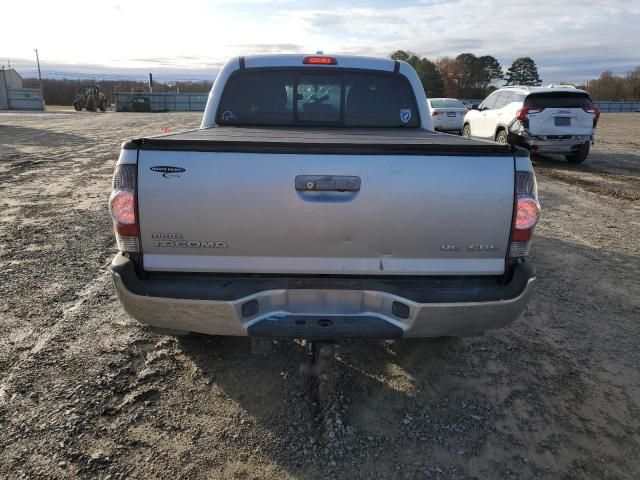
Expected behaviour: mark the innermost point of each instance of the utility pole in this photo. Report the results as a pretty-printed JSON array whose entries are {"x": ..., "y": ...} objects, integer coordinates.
[
  {"x": 38, "y": 62},
  {"x": 40, "y": 77}
]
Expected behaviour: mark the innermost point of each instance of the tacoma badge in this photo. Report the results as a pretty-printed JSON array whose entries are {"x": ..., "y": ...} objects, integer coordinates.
[{"x": 190, "y": 244}]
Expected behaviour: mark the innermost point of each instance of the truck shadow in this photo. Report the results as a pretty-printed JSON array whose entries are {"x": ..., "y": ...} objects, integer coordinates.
[{"x": 374, "y": 397}]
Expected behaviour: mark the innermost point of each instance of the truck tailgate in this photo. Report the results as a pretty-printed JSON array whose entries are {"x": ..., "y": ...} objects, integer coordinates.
[{"x": 324, "y": 203}]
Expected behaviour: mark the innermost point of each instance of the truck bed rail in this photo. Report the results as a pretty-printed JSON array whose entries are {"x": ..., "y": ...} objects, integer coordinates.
[{"x": 320, "y": 140}]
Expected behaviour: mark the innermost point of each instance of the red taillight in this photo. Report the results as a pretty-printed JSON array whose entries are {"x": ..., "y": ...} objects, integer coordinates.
[
  {"x": 320, "y": 60},
  {"x": 521, "y": 235},
  {"x": 526, "y": 213},
  {"x": 123, "y": 208},
  {"x": 435, "y": 114},
  {"x": 127, "y": 230},
  {"x": 523, "y": 113},
  {"x": 595, "y": 111}
]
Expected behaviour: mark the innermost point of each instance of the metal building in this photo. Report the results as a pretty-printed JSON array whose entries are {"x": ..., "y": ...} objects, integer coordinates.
[
  {"x": 14, "y": 97},
  {"x": 161, "y": 102}
]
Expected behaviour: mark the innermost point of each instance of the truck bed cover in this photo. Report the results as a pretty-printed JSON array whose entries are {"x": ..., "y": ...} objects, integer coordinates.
[{"x": 321, "y": 140}]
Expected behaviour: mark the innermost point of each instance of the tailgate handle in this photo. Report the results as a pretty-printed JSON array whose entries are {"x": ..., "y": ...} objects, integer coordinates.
[{"x": 327, "y": 183}]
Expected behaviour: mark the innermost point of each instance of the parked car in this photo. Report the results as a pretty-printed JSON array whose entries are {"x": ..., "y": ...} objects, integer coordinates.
[
  {"x": 554, "y": 119},
  {"x": 317, "y": 202},
  {"x": 447, "y": 114}
]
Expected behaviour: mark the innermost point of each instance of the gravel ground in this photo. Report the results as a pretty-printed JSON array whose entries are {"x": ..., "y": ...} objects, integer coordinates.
[{"x": 87, "y": 393}]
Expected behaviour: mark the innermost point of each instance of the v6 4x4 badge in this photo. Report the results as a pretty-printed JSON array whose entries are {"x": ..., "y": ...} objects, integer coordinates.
[{"x": 168, "y": 171}]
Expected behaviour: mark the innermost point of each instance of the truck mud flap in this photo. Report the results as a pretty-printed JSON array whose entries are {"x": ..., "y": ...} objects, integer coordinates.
[{"x": 324, "y": 327}]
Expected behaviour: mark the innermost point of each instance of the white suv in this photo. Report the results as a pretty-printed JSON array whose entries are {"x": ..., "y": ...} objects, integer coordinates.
[{"x": 553, "y": 119}]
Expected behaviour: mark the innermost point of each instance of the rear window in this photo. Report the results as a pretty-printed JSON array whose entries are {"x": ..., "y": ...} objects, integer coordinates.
[
  {"x": 558, "y": 100},
  {"x": 328, "y": 97},
  {"x": 446, "y": 103}
]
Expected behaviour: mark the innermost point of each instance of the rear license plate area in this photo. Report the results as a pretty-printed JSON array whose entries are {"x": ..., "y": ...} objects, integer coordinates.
[
  {"x": 324, "y": 327},
  {"x": 451, "y": 114},
  {"x": 562, "y": 121}
]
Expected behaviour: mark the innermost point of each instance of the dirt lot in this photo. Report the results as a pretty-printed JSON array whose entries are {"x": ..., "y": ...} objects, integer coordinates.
[{"x": 85, "y": 392}]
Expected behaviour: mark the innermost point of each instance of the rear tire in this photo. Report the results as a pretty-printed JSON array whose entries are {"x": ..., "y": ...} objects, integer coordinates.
[
  {"x": 579, "y": 156},
  {"x": 501, "y": 137},
  {"x": 466, "y": 131}
]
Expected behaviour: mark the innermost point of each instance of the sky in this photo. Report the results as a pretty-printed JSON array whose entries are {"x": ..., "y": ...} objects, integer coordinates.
[{"x": 191, "y": 39}]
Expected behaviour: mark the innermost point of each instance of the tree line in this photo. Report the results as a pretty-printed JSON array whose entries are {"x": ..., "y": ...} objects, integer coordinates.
[
  {"x": 615, "y": 88},
  {"x": 468, "y": 76}
]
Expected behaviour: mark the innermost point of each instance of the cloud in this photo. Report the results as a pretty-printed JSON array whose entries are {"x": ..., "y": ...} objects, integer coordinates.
[
  {"x": 178, "y": 61},
  {"x": 568, "y": 42},
  {"x": 96, "y": 71},
  {"x": 265, "y": 48},
  {"x": 596, "y": 35}
]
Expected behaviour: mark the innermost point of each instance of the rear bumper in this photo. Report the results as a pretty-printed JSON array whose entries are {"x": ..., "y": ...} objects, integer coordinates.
[
  {"x": 543, "y": 144},
  {"x": 447, "y": 125},
  {"x": 320, "y": 307},
  {"x": 446, "y": 129}
]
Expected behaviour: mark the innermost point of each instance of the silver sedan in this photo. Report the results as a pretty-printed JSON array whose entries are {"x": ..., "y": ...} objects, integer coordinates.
[{"x": 447, "y": 114}]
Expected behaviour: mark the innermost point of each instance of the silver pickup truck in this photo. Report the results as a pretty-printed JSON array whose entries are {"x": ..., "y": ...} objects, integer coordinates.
[{"x": 316, "y": 202}]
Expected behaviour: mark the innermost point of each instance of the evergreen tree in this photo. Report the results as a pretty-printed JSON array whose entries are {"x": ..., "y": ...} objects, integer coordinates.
[
  {"x": 475, "y": 74},
  {"x": 430, "y": 78},
  {"x": 427, "y": 72},
  {"x": 490, "y": 71},
  {"x": 402, "y": 55},
  {"x": 523, "y": 71}
]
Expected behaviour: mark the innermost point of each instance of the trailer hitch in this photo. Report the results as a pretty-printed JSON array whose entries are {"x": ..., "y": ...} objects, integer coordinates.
[{"x": 321, "y": 365}]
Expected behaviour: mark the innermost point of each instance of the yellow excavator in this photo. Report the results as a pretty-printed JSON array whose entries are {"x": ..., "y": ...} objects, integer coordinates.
[{"x": 90, "y": 98}]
